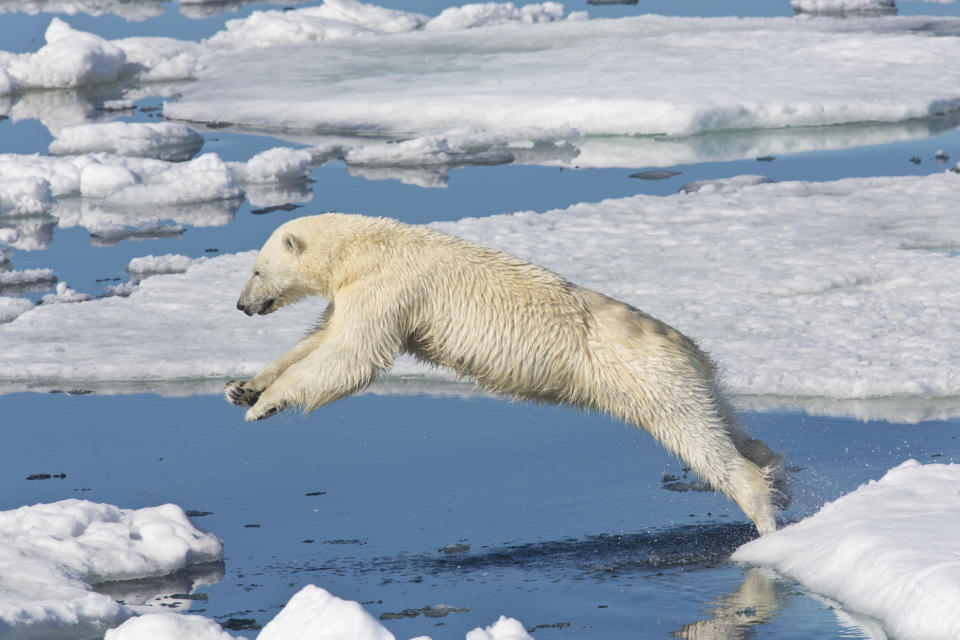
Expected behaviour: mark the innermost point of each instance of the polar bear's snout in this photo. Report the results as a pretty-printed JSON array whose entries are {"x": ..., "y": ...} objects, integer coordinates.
[{"x": 258, "y": 307}]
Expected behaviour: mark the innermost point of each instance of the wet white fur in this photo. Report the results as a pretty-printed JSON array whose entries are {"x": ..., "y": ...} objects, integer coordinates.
[{"x": 516, "y": 328}]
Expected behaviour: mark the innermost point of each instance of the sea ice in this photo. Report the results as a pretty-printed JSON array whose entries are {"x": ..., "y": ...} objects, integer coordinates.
[
  {"x": 160, "y": 140},
  {"x": 64, "y": 294},
  {"x": 51, "y": 553},
  {"x": 887, "y": 550},
  {"x": 844, "y": 6},
  {"x": 151, "y": 265},
  {"x": 25, "y": 196},
  {"x": 600, "y": 77},
  {"x": 70, "y": 58},
  {"x": 822, "y": 290}
]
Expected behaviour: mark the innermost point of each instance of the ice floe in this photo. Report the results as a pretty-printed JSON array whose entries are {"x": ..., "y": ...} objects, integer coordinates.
[
  {"x": 886, "y": 550},
  {"x": 50, "y": 554},
  {"x": 601, "y": 77},
  {"x": 159, "y": 140},
  {"x": 145, "y": 266},
  {"x": 835, "y": 290},
  {"x": 845, "y": 7}
]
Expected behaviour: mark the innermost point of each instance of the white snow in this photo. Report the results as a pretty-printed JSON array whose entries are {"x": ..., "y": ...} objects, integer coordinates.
[
  {"x": 114, "y": 196},
  {"x": 470, "y": 16},
  {"x": 64, "y": 294},
  {"x": 24, "y": 196},
  {"x": 169, "y": 626},
  {"x": 51, "y": 553},
  {"x": 316, "y": 613},
  {"x": 26, "y": 277},
  {"x": 160, "y": 140},
  {"x": 843, "y": 6},
  {"x": 168, "y": 263},
  {"x": 835, "y": 290},
  {"x": 11, "y": 307},
  {"x": 887, "y": 550},
  {"x": 503, "y": 629},
  {"x": 312, "y": 612},
  {"x": 598, "y": 76},
  {"x": 70, "y": 58}
]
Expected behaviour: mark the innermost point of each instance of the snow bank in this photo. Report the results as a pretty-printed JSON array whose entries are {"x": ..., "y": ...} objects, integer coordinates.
[
  {"x": 841, "y": 289},
  {"x": 601, "y": 77},
  {"x": 887, "y": 550},
  {"x": 51, "y": 553},
  {"x": 160, "y": 140}
]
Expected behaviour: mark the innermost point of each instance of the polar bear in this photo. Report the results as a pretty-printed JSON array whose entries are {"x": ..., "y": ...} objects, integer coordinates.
[{"x": 514, "y": 327}]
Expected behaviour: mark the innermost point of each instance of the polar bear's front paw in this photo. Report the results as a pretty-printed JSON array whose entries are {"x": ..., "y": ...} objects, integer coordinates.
[
  {"x": 241, "y": 395},
  {"x": 259, "y": 412}
]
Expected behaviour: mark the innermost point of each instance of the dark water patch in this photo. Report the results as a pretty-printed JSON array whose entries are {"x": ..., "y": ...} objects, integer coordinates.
[{"x": 597, "y": 555}]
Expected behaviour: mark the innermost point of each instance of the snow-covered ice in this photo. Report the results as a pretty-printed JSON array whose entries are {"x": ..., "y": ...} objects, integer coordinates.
[
  {"x": 841, "y": 7},
  {"x": 836, "y": 290},
  {"x": 887, "y": 550},
  {"x": 50, "y": 554},
  {"x": 151, "y": 265},
  {"x": 64, "y": 294},
  {"x": 599, "y": 76},
  {"x": 160, "y": 140}
]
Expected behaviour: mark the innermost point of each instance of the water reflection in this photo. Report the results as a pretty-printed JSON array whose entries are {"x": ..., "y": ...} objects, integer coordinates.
[
  {"x": 756, "y": 601},
  {"x": 176, "y": 591}
]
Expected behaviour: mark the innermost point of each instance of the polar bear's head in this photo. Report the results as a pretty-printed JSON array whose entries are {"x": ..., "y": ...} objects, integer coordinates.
[{"x": 279, "y": 276}]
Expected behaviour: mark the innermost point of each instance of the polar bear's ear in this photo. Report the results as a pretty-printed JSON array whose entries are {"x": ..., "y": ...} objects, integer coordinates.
[{"x": 293, "y": 244}]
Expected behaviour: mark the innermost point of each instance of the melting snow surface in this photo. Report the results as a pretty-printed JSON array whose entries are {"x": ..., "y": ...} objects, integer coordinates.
[{"x": 887, "y": 550}]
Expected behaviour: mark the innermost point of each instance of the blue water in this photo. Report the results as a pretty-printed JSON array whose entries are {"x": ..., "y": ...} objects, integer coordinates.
[{"x": 568, "y": 525}]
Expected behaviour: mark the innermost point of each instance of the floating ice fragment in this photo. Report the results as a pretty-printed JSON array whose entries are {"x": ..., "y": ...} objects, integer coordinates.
[
  {"x": 26, "y": 196},
  {"x": 470, "y": 16},
  {"x": 170, "y": 626},
  {"x": 64, "y": 294},
  {"x": 70, "y": 58},
  {"x": 145, "y": 266},
  {"x": 503, "y": 629},
  {"x": 51, "y": 553},
  {"x": 315, "y": 612},
  {"x": 280, "y": 164},
  {"x": 843, "y": 7},
  {"x": 160, "y": 140},
  {"x": 8, "y": 236}
]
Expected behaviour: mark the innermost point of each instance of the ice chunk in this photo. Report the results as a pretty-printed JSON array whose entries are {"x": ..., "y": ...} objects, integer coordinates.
[
  {"x": 484, "y": 14},
  {"x": 280, "y": 164},
  {"x": 840, "y": 7},
  {"x": 154, "y": 265},
  {"x": 333, "y": 20},
  {"x": 64, "y": 294},
  {"x": 169, "y": 626},
  {"x": 503, "y": 629},
  {"x": 8, "y": 236},
  {"x": 886, "y": 550},
  {"x": 70, "y": 58},
  {"x": 51, "y": 553},
  {"x": 315, "y": 612},
  {"x": 27, "y": 196},
  {"x": 26, "y": 280},
  {"x": 160, "y": 140}
]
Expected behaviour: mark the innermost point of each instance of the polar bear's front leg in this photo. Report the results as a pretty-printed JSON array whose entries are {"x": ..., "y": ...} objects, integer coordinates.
[
  {"x": 246, "y": 394},
  {"x": 328, "y": 373}
]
